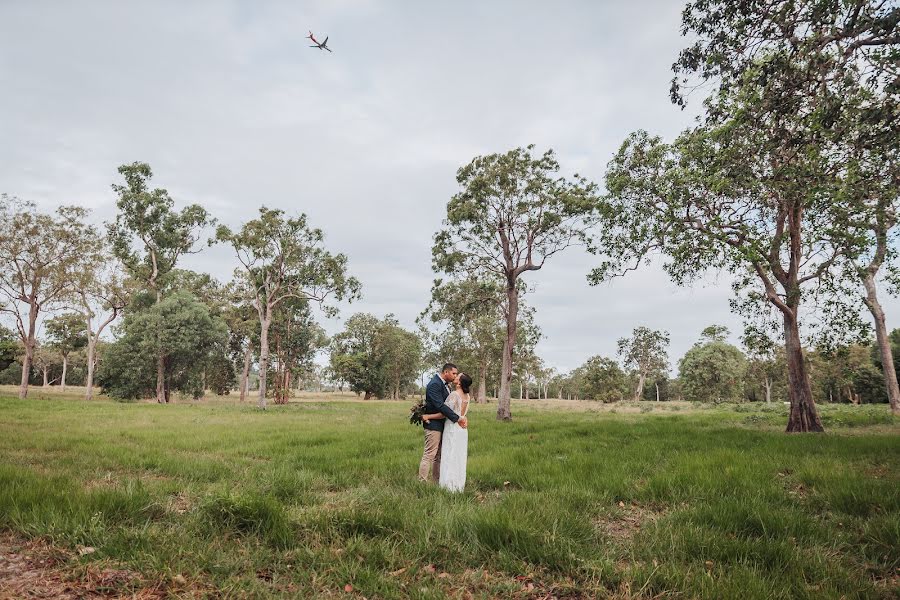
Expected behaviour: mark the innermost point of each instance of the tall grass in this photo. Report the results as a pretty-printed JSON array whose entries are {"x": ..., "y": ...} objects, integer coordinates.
[{"x": 303, "y": 499}]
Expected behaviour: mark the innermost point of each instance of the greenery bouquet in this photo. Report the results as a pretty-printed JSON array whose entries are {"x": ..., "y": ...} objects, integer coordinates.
[{"x": 416, "y": 412}]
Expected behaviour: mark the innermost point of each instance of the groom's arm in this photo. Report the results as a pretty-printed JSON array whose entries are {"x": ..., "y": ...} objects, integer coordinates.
[{"x": 434, "y": 396}]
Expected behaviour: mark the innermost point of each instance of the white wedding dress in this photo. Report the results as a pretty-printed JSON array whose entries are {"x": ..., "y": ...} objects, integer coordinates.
[{"x": 454, "y": 449}]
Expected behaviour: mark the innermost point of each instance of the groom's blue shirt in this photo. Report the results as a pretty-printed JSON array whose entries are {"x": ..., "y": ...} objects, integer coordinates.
[{"x": 435, "y": 397}]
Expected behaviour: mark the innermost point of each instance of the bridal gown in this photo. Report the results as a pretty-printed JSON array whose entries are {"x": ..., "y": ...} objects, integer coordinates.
[{"x": 454, "y": 449}]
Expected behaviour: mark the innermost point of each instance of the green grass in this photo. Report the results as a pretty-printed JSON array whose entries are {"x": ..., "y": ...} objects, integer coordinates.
[{"x": 301, "y": 500}]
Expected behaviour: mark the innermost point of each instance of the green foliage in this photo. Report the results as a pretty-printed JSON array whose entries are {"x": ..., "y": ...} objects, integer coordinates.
[
  {"x": 182, "y": 330},
  {"x": 66, "y": 333},
  {"x": 645, "y": 352},
  {"x": 378, "y": 358},
  {"x": 600, "y": 378},
  {"x": 149, "y": 235},
  {"x": 9, "y": 348},
  {"x": 712, "y": 371}
]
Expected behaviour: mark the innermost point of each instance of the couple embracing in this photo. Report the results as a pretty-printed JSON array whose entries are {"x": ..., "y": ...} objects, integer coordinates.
[{"x": 446, "y": 434}]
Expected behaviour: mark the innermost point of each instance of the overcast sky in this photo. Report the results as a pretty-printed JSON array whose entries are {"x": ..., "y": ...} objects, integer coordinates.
[{"x": 233, "y": 110}]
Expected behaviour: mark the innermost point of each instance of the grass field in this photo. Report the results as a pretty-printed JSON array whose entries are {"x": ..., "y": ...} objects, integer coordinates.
[{"x": 319, "y": 499}]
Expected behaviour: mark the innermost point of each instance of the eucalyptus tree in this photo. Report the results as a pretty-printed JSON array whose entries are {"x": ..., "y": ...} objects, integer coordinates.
[
  {"x": 99, "y": 295},
  {"x": 66, "y": 333},
  {"x": 756, "y": 187},
  {"x": 645, "y": 352},
  {"x": 284, "y": 258},
  {"x": 296, "y": 337},
  {"x": 712, "y": 370},
  {"x": 149, "y": 236},
  {"x": 874, "y": 184},
  {"x": 38, "y": 257},
  {"x": 472, "y": 315},
  {"x": 512, "y": 214}
]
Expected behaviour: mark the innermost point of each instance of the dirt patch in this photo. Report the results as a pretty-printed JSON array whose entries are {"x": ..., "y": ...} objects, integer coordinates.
[
  {"x": 33, "y": 569},
  {"x": 626, "y": 520}
]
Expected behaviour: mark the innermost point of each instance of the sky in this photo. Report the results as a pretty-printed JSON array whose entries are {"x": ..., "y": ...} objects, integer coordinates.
[{"x": 233, "y": 110}]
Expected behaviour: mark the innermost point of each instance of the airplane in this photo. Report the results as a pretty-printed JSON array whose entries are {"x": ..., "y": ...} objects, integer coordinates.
[{"x": 322, "y": 46}]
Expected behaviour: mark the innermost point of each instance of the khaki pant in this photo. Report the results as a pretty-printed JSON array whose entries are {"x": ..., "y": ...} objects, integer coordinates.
[{"x": 431, "y": 458}]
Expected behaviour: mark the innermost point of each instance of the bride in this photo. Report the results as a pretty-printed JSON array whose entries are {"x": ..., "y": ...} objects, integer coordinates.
[{"x": 455, "y": 441}]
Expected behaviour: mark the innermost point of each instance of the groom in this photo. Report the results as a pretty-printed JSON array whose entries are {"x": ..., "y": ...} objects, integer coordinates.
[{"x": 435, "y": 394}]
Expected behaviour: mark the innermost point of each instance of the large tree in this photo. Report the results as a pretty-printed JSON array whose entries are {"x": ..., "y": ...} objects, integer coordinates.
[
  {"x": 66, "y": 333},
  {"x": 511, "y": 215},
  {"x": 284, "y": 258},
  {"x": 791, "y": 83},
  {"x": 149, "y": 236},
  {"x": 713, "y": 370},
  {"x": 297, "y": 338},
  {"x": 185, "y": 331},
  {"x": 376, "y": 357},
  {"x": 645, "y": 352},
  {"x": 38, "y": 258}
]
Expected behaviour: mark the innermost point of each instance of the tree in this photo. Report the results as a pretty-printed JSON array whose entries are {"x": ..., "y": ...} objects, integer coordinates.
[
  {"x": 814, "y": 82},
  {"x": 645, "y": 351},
  {"x": 712, "y": 370},
  {"x": 875, "y": 184},
  {"x": 399, "y": 353},
  {"x": 375, "y": 357},
  {"x": 66, "y": 334},
  {"x": 297, "y": 338},
  {"x": 100, "y": 293},
  {"x": 283, "y": 258},
  {"x": 45, "y": 358},
  {"x": 162, "y": 235},
  {"x": 511, "y": 215},
  {"x": 38, "y": 254},
  {"x": 756, "y": 185},
  {"x": 243, "y": 322},
  {"x": 472, "y": 314},
  {"x": 188, "y": 335},
  {"x": 601, "y": 378}
]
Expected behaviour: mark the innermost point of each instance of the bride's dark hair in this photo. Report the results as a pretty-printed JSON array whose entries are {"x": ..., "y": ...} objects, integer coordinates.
[{"x": 465, "y": 382}]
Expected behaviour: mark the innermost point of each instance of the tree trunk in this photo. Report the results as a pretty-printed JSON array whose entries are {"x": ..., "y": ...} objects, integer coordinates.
[
  {"x": 803, "y": 416},
  {"x": 657, "y": 391},
  {"x": 503, "y": 402},
  {"x": 89, "y": 378},
  {"x": 640, "y": 387},
  {"x": 481, "y": 394},
  {"x": 28, "y": 359},
  {"x": 884, "y": 342},
  {"x": 160, "y": 378},
  {"x": 62, "y": 381},
  {"x": 368, "y": 395},
  {"x": 245, "y": 374},
  {"x": 44, "y": 371},
  {"x": 263, "y": 359},
  {"x": 768, "y": 384}
]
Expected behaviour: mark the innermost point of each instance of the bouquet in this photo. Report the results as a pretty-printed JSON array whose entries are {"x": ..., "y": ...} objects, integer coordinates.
[{"x": 415, "y": 413}]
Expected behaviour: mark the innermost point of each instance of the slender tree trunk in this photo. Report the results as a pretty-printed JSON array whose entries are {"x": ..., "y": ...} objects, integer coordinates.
[
  {"x": 657, "y": 391},
  {"x": 803, "y": 416},
  {"x": 28, "y": 359},
  {"x": 245, "y": 373},
  {"x": 503, "y": 402},
  {"x": 162, "y": 395},
  {"x": 89, "y": 377},
  {"x": 884, "y": 342},
  {"x": 768, "y": 383},
  {"x": 264, "y": 323},
  {"x": 481, "y": 394},
  {"x": 44, "y": 371},
  {"x": 62, "y": 381},
  {"x": 640, "y": 387}
]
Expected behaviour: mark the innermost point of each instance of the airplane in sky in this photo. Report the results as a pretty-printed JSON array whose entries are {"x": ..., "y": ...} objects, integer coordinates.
[{"x": 322, "y": 46}]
